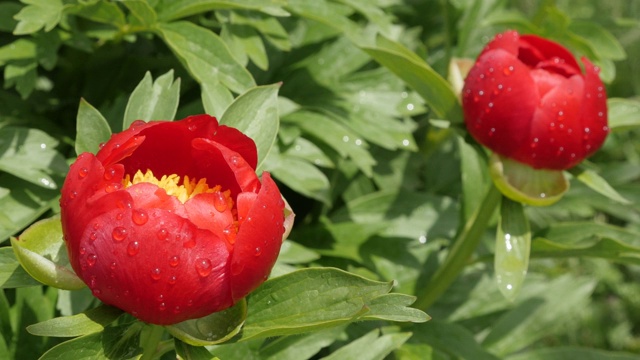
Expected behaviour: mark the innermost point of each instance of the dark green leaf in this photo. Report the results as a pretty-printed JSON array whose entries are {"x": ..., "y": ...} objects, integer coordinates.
[
  {"x": 190, "y": 352},
  {"x": 12, "y": 275},
  {"x": 172, "y": 9},
  {"x": 370, "y": 347}
]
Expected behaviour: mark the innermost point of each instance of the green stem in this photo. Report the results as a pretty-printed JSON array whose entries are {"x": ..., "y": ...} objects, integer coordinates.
[
  {"x": 151, "y": 342},
  {"x": 462, "y": 249}
]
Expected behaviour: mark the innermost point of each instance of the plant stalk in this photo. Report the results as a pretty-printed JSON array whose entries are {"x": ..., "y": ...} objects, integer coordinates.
[
  {"x": 462, "y": 249},
  {"x": 151, "y": 342}
]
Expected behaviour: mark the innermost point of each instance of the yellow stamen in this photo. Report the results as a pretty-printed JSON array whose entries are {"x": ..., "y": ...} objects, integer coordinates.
[{"x": 184, "y": 190}]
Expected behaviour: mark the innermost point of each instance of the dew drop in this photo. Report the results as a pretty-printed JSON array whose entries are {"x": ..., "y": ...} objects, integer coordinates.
[
  {"x": 534, "y": 143},
  {"x": 137, "y": 123},
  {"x": 492, "y": 132},
  {"x": 172, "y": 280},
  {"x": 133, "y": 248},
  {"x": 139, "y": 217},
  {"x": 219, "y": 201},
  {"x": 162, "y": 306},
  {"x": 174, "y": 261},
  {"x": 189, "y": 244},
  {"x": 176, "y": 310},
  {"x": 113, "y": 265},
  {"x": 156, "y": 274},
  {"x": 234, "y": 160},
  {"x": 119, "y": 233},
  {"x": 83, "y": 172},
  {"x": 229, "y": 233},
  {"x": 73, "y": 195},
  {"x": 203, "y": 267},
  {"x": 119, "y": 216},
  {"x": 91, "y": 259},
  {"x": 96, "y": 292},
  {"x": 162, "y": 234},
  {"x": 83, "y": 250},
  {"x": 258, "y": 251},
  {"x": 508, "y": 70},
  {"x": 112, "y": 187},
  {"x": 93, "y": 236},
  {"x": 109, "y": 174}
]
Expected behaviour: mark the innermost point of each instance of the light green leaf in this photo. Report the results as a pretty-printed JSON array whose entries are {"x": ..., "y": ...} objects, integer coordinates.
[
  {"x": 18, "y": 50},
  {"x": 43, "y": 254},
  {"x": 171, "y": 10},
  {"x": 451, "y": 338},
  {"x": 299, "y": 346},
  {"x": 395, "y": 307},
  {"x": 473, "y": 167},
  {"x": 513, "y": 244},
  {"x": 141, "y": 12},
  {"x": 371, "y": 346},
  {"x": 312, "y": 299},
  {"x": 102, "y": 12},
  {"x": 190, "y": 352},
  {"x": 250, "y": 42},
  {"x": 88, "y": 322},
  {"x": 293, "y": 253},
  {"x": 215, "y": 97},
  {"x": 599, "y": 184},
  {"x": 12, "y": 275},
  {"x": 268, "y": 26},
  {"x": 153, "y": 100},
  {"x": 300, "y": 175},
  {"x": 211, "y": 329},
  {"x": 30, "y": 154},
  {"x": 91, "y": 127},
  {"x": 23, "y": 75},
  {"x": 255, "y": 114},
  {"x": 572, "y": 352},
  {"x": 38, "y": 14},
  {"x": 623, "y": 113},
  {"x": 599, "y": 39},
  {"x": 120, "y": 342},
  {"x": 205, "y": 55},
  {"x": 433, "y": 88},
  {"x": 583, "y": 232}
]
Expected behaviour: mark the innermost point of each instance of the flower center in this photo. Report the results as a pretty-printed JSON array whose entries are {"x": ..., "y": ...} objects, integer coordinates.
[{"x": 183, "y": 190}]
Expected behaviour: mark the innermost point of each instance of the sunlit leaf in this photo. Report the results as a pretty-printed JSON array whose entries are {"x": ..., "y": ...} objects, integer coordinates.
[
  {"x": 211, "y": 329},
  {"x": 92, "y": 129},
  {"x": 153, "y": 100},
  {"x": 88, "y": 322},
  {"x": 513, "y": 245}
]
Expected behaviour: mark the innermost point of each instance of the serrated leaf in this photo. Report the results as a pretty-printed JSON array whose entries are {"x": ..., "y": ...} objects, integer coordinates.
[
  {"x": 311, "y": 299},
  {"x": 211, "y": 329},
  {"x": 205, "y": 55},
  {"x": 12, "y": 275},
  {"x": 92, "y": 129},
  {"x": 38, "y": 14},
  {"x": 43, "y": 254},
  {"x": 371, "y": 346},
  {"x": 255, "y": 113},
  {"x": 623, "y": 113},
  {"x": 153, "y": 100},
  {"x": 88, "y": 322},
  {"x": 31, "y": 155}
]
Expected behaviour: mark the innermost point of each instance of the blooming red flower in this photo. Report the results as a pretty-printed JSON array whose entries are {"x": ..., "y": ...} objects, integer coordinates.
[
  {"x": 527, "y": 99},
  {"x": 169, "y": 222}
]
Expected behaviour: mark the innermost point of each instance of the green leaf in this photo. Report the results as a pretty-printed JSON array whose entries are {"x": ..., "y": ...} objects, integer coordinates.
[
  {"x": 395, "y": 307},
  {"x": 474, "y": 174},
  {"x": 250, "y": 43},
  {"x": 312, "y": 299},
  {"x": 450, "y": 338},
  {"x": 300, "y": 175},
  {"x": 601, "y": 41},
  {"x": 88, "y": 322},
  {"x": 21, "y": 203},
  {"x": 91, "y": 127},
  {"x": 172, "y": 9},
  {"x": 597, "y": 183},
  {"x": 371, "y": 346},
  {"x": 216, "y": 98},
  {"x": 268, "y": 26},
  {"x": 572, "y": 352},
  {"x": 300, "y": 346},
  {"x": 513, "y": 244},
  {"x": 120, "y": 342},
  {"x": 433, "y": 88},
  {"x": 623, "y": 113},
  {"x": 38, "y": 14},
  {"x": 102, "y": 12},
  {"x": 153, "y": 100},
  {"x": 43, "y": 254},
  {"x": 141, "y": 12},
  {"x": 7, "y": 12},
  {"x": 211, "y": 329},
  {"x": 583, "y": 232},
  {"x": 205, "y": 55},
  {"x": 190, "y": 352},
  {"x": 23, "y": 75},
  {"x": 605, "y": 248},
  {"x": 12, "y": 275},
  {"x": 255, "y": 114},
  {"x": 30, "y": 154},
  {"x": 293, "y": 253}
]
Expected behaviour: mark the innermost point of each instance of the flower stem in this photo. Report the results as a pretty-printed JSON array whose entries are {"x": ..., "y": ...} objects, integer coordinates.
[
  {"x": 462, "y": 249},
  {"x": 151, "y": 341}
]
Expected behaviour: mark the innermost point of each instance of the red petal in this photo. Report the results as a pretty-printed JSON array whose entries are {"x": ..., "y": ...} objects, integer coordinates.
[
  {"x": 150, "y": 196},
  {"x": 546, "y": 51},
  {"x": 163, "y": 270},
  {"x": 593, "y": 110},
  {"x": 203, "y": 213},
  {"x": 238, "y": 142},
  {"x": 507, "y": 41},
  {"x": 499, "y": 99},
  {"x": 258, "y": 241}
]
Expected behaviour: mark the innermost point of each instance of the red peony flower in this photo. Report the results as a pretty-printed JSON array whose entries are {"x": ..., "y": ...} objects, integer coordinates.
[
  {"x": 169, "y": 221},
  {"x": 527, "y": 99}
]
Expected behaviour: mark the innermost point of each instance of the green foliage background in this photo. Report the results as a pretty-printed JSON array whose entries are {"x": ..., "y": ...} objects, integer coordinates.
[{"x": 370, "y": 152}]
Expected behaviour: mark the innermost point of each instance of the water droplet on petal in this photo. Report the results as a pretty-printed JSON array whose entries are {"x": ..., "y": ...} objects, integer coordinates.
[
  {"x": 137, "y": 123},
  {"x": 189, "y": 244},
  {"x": 203, "y": 267},
  {"x": 176, "y": 310},
  {"x": 119, "y": 233},
  {"x": 109, "y": 174},
  {"x": 91, "y": 259},
  {"x": 172, "y": 280},
  {"x": 96, "y": 292},
  {"x": 156, "y": 274},
  {"x": 162, "y": 234},
  {"x": 133, "y": 248},
  {"x": 83, "y": 250},
  {"x": 174, "y": 261},
  {"x": 219, "y": 201},
  {"x": 234, "y": 160},
  {"x": 258, "y": 251},
  {"x": 162, "y": 306},
  {"x": 508, "y": 70},
  {"x": 83, "y": 172},
  {"x": 113, "y": 265},
  {"x": 112, "y": 187},
  {"x": 139, "y": 217}
]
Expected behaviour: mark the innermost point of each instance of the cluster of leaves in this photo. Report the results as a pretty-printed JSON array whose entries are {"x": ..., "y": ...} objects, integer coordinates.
[{"x": 371, "y": 154}]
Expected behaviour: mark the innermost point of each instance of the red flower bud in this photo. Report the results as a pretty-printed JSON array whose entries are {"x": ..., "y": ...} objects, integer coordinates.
[
  {"x": 169, "y": 221},
  {"x": 527, "y": 99}
]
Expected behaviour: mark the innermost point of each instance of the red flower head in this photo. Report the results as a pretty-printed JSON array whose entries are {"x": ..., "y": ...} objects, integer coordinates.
[
  {"x": 527, "y": 99},
  {"x": 169, "y": 221}
]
